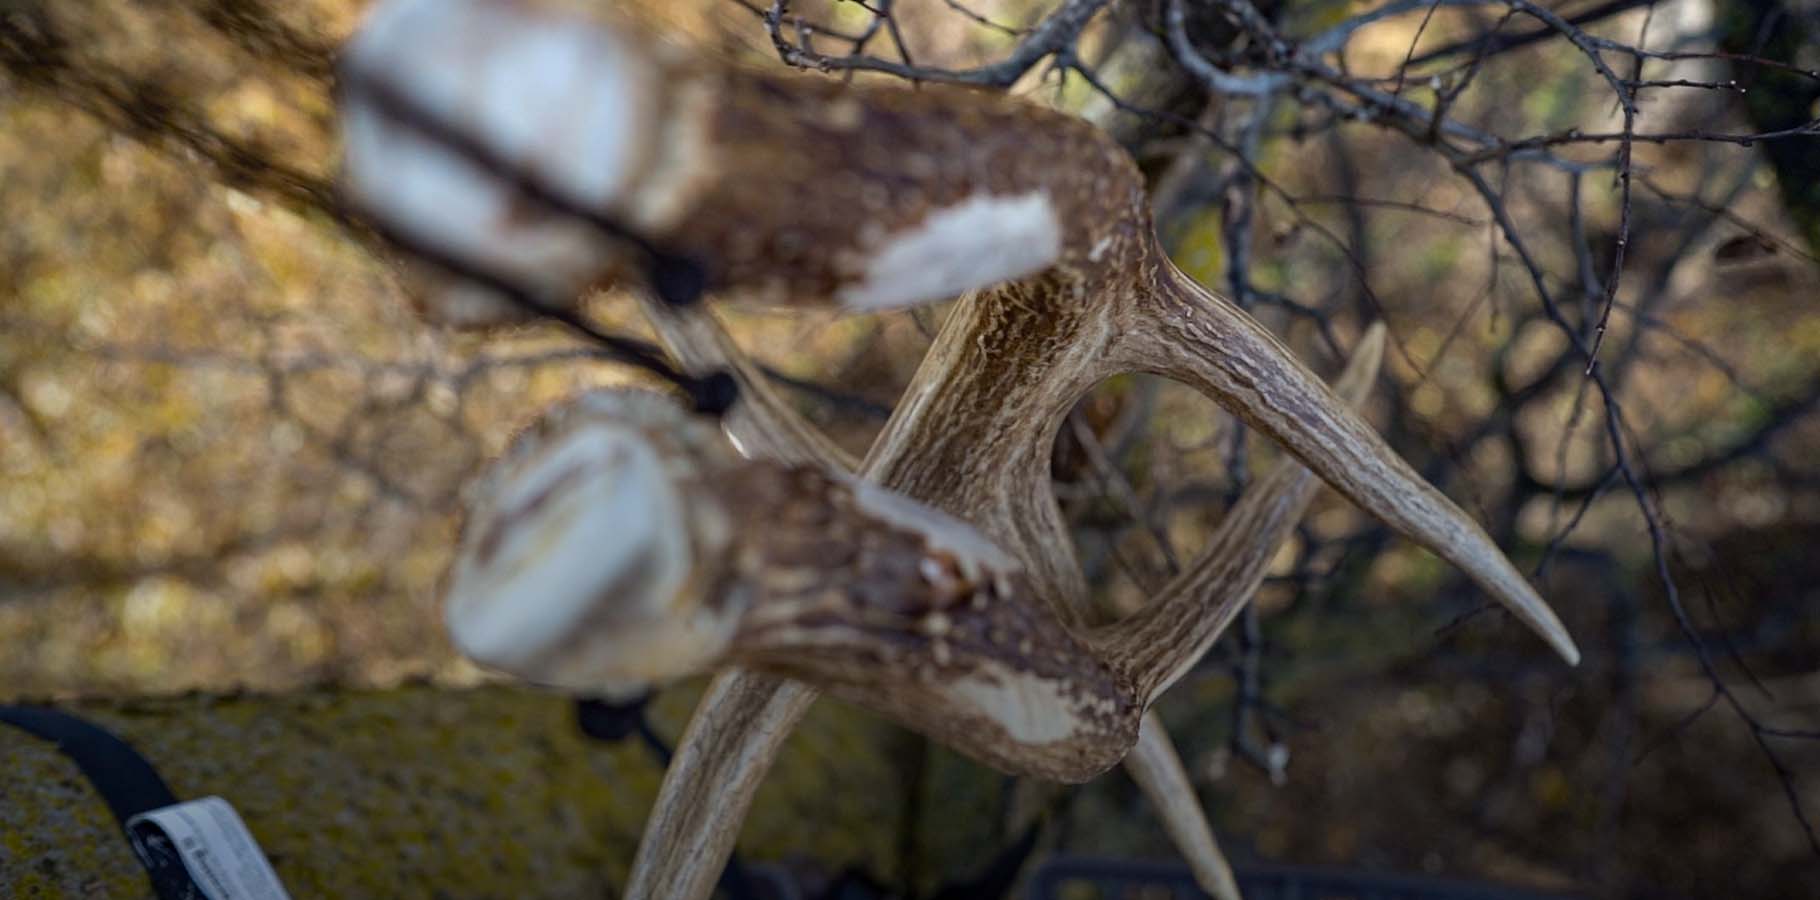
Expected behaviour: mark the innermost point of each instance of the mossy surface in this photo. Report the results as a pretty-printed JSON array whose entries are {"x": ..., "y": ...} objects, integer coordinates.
[{"x": 424, "y": 792}]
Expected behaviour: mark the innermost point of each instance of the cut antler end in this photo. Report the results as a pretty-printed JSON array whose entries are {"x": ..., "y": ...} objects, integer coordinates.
[
  {"x": 980, "y": 241},
  {"x": 579, "y": 565}
]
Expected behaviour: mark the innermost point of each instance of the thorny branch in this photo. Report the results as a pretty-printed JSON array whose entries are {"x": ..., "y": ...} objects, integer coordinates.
[{"x": 1057, "y": 31}]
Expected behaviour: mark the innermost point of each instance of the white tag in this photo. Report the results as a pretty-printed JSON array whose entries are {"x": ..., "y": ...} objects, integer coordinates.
[{"x": 216, "y": 848}]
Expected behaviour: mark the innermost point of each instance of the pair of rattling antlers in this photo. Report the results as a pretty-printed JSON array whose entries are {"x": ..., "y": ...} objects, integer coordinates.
[{"x": 624, "y": 541}]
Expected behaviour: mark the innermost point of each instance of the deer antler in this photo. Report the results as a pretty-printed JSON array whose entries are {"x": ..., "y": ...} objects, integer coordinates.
[
  {"x": 810, "y": 191},
  {"x": 803, "y": 191},
  {"x": 608, "y": 548},
  {"x": 754, "y": 706}
]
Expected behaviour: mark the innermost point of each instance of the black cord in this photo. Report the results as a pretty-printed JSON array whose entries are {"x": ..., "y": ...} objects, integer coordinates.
[
  {"x": 677, "y": 279},
  {"x": 711, "y": 394}
]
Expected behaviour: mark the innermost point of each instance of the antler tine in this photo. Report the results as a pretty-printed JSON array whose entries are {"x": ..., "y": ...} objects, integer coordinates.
[
  {"x": 1198, "y": 337},
  {"x": 631, "y": 158},
  {"x": 733, "y": 738},
  {"x": 1157, "y": 769},
  {"x": 1158, "y": 643}
]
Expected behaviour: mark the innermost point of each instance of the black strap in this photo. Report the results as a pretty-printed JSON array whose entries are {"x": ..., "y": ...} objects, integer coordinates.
[
  {"x": 126, "y": 782},
  {"x": 676, "y": 278},
  {"x": 122, "y": 777}
]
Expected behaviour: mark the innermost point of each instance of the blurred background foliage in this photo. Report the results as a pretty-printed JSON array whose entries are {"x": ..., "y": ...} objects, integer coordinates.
[{"x": 231, "y": 455}]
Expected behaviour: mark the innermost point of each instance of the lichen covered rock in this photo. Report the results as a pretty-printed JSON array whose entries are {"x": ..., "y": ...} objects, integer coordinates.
[{"x": 423, "y": 792}]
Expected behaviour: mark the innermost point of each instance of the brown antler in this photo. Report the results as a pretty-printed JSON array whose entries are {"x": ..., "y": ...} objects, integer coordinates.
[{"x": 804, "y": 191}]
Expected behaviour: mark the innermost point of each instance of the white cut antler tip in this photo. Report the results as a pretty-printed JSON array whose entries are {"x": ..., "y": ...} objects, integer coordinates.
[
  {"x": 577, "y": 565},
  {"x": 981, "y": 241}
]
